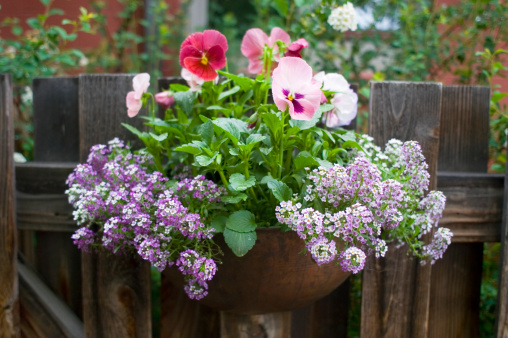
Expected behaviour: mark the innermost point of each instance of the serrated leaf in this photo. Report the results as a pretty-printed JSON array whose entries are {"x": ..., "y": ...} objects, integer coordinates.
[
  {"x": 280, "y": 190},
  {"x": 240, "y": 242},
  {"x": 272, "y": 121},
  {"x": 234, "y": 199},
  {"x": 185, "y": 100},
  {"x": 266, "y": 179},
  {"x": 206, "y": 132},
  {"x": 239, "y": 183},
  {"x": 241, "y": 221},
  {"x": 232, "y": 127},
  {"x": 234, "y": 151},
  {"x": 255, "y": 138}
]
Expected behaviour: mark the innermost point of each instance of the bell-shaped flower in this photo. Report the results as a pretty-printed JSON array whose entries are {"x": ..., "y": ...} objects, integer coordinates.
[
  {"x": 293, "y": 88},
  {"x": 203, "y": 53},
  {"x": 140, "y": 84},
  {"x": 164, "y": 99},
  {"x": 345, "y": 100},
  {"x": 295, "y": 48},
  {"x": 253, "y": 44}
]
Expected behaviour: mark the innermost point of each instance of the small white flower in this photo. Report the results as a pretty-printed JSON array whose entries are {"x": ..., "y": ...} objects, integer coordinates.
[{"x": 343, "y": 18}]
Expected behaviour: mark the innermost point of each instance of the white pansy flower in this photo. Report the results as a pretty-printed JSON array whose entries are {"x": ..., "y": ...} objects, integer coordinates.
[{"x": 343, "y": 18}]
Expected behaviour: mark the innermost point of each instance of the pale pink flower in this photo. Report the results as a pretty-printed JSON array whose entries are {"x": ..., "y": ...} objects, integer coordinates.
[
  {"x": 253, "y": 43},
  {"x": 293, "y": 88},
  {"x": 194, "y": 81},
  {"x": 140, "y": 84},
  {"x": 164, "y": 99},
  {"x": 345, "y": 99}
]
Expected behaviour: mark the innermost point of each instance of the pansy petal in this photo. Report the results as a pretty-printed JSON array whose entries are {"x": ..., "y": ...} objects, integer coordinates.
[
  {"x": 255, "y": 66},
  {"x": 278, "y": 33},
  {"x": 133, "y": 104},
  {"x": 253, "y": 43},
  {"x": 309, "y": 109},
  {"x": 140, "y": 84},
  {"x": 188, "y": 51},
  {"x": 212, "y": 38},
  {"x": 335, "y": 83},
  {"x": 195, "y": 40},
  {"x": 205, "y": 72},
  {"x": 216, "y": 57}
]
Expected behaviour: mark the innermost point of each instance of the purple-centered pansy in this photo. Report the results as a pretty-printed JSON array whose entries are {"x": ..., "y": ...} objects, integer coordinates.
[{"x": 293, "y": 88}]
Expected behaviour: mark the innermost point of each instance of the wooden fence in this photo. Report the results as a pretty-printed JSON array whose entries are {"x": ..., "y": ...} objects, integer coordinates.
[{"x": 49, "y": 289}]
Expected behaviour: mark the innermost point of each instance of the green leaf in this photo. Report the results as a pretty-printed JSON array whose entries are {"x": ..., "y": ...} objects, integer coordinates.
[
  {"x": 132, "y": 129},
  {"x": 255, "y": 138},
  {"x": 232, "y": 127},
  {"x": 280, "y": 190},
  {"x": 239, "y": 183},
  {"x": 305, "y": 159},
  {"x": 185, "y": 100},
  {"x": 240, "y": 242},
  {"x": 45, "y": 2},
  {"x": 17, "y": 30},
  {"x": 324, "y": 163},
  {"x": 228, "y": 93},
  {"x": 234, "y": 199},
  {"x": 204, "y": 160},
  {"x": 189, "y": 148},
  {"x": 496, "y": 97},
  {"x": 159, "y": 138},
  {"x": 306, "y": 124},
  {"x": 177, "y": 87},
  {"x": 244, "y": 82},
  {"x": 241, "y": 221},
  {"x": 219, "y": 223},
  {"x": 281, "y": 6},
  {"x": 34, "y": 23},
  {"x": 206, "y": 132},
  {"x": 56, "y": 11},
  {"x": 272, "y": 121},
  {"x": 325, "y": 107},
  {"x": 352, "y": 144}
]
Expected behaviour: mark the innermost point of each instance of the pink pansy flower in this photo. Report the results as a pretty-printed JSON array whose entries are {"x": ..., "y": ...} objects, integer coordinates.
[
  {"x": 203, "y": 53},
  {"x": 195, "y": 81},
  {"x": 164, "y": 99},
  {"x": 292, "y": 88},
  {"x": 140, "y": 84},
  {"x": 345, "y": 100},
  {"x": 253, "y": 43},
  {"x": 295, "y": 49}
]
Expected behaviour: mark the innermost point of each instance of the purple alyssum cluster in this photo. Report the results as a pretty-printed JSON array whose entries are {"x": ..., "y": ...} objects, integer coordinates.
[
  {"x": 378, "y": 197},
  {"x": 122, "y": 205}
]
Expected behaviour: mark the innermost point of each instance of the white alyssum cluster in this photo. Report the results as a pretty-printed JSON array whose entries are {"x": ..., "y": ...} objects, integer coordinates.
[{"x": 343, "y": 18}]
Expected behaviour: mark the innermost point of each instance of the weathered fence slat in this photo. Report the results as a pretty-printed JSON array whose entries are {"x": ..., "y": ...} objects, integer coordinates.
[
  {"x": 501, "y": 329},
  {"x": 9, "y": 303},
  {"x": 456, "y": 278},
  {"x": 45, "y": 314},
  {"x": 270, "y": 325},
  {"x": 474, "y": 205},
  {"x": 116, "y": 289},
  {"x": 396, "y": 290},
  {"x": 55, "y": 140}
]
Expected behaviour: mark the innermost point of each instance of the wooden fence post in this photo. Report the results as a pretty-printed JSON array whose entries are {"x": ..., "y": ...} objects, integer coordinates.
[
  {"x": 396, "y": 290},
  {"x": 9, "y": 304},
  {"x": 456, "y": 278},
  {"x": 56, "y": 139},
  {"x": 116, "y": 289},
  {"x": 501, "y": 329}
]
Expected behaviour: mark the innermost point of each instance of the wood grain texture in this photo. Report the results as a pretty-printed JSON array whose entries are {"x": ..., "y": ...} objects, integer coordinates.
[
  {"x": 270, "y": 325},
  {"x": 9, "y": 303},
  {"x": 396, "y": 290},
  {"x": 116, "y": 289},
  {"x": 56, "y": 139},
  {"x": 45, "y": 314},
  {"x": 501, "y": 328},
  {"x": 474, "y": 205},
  {"x": 55, "y": 103},
  {"x": 463, "y": 147},
  {"x": 102, "y": 109},
  {"x": 43, "y": 177}
]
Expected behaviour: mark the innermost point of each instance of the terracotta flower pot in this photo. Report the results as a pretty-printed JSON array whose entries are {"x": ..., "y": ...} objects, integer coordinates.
[{"x": 272, "y": 277}]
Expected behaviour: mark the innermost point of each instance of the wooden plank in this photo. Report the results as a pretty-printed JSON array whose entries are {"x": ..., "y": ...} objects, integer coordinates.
[
  {"x": 180, "y": 316},
  {"x": 473, "y": 205},
  {"x": 501, "y": 328},
  {"x": 9, "y": 306},
  {"x": 55, "y": 119},
  {"x": 56, "y": 138},
  {"x": 43, "y": 177},
  {"x": 270, "y": 325},
  {"x": 46, "y": 314},
  {"x": 456, "y": 278},
  {"x": 395, "y": 296},
  {"x": 116, "y": 289},
  {"x": 45, "y": 212}
]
